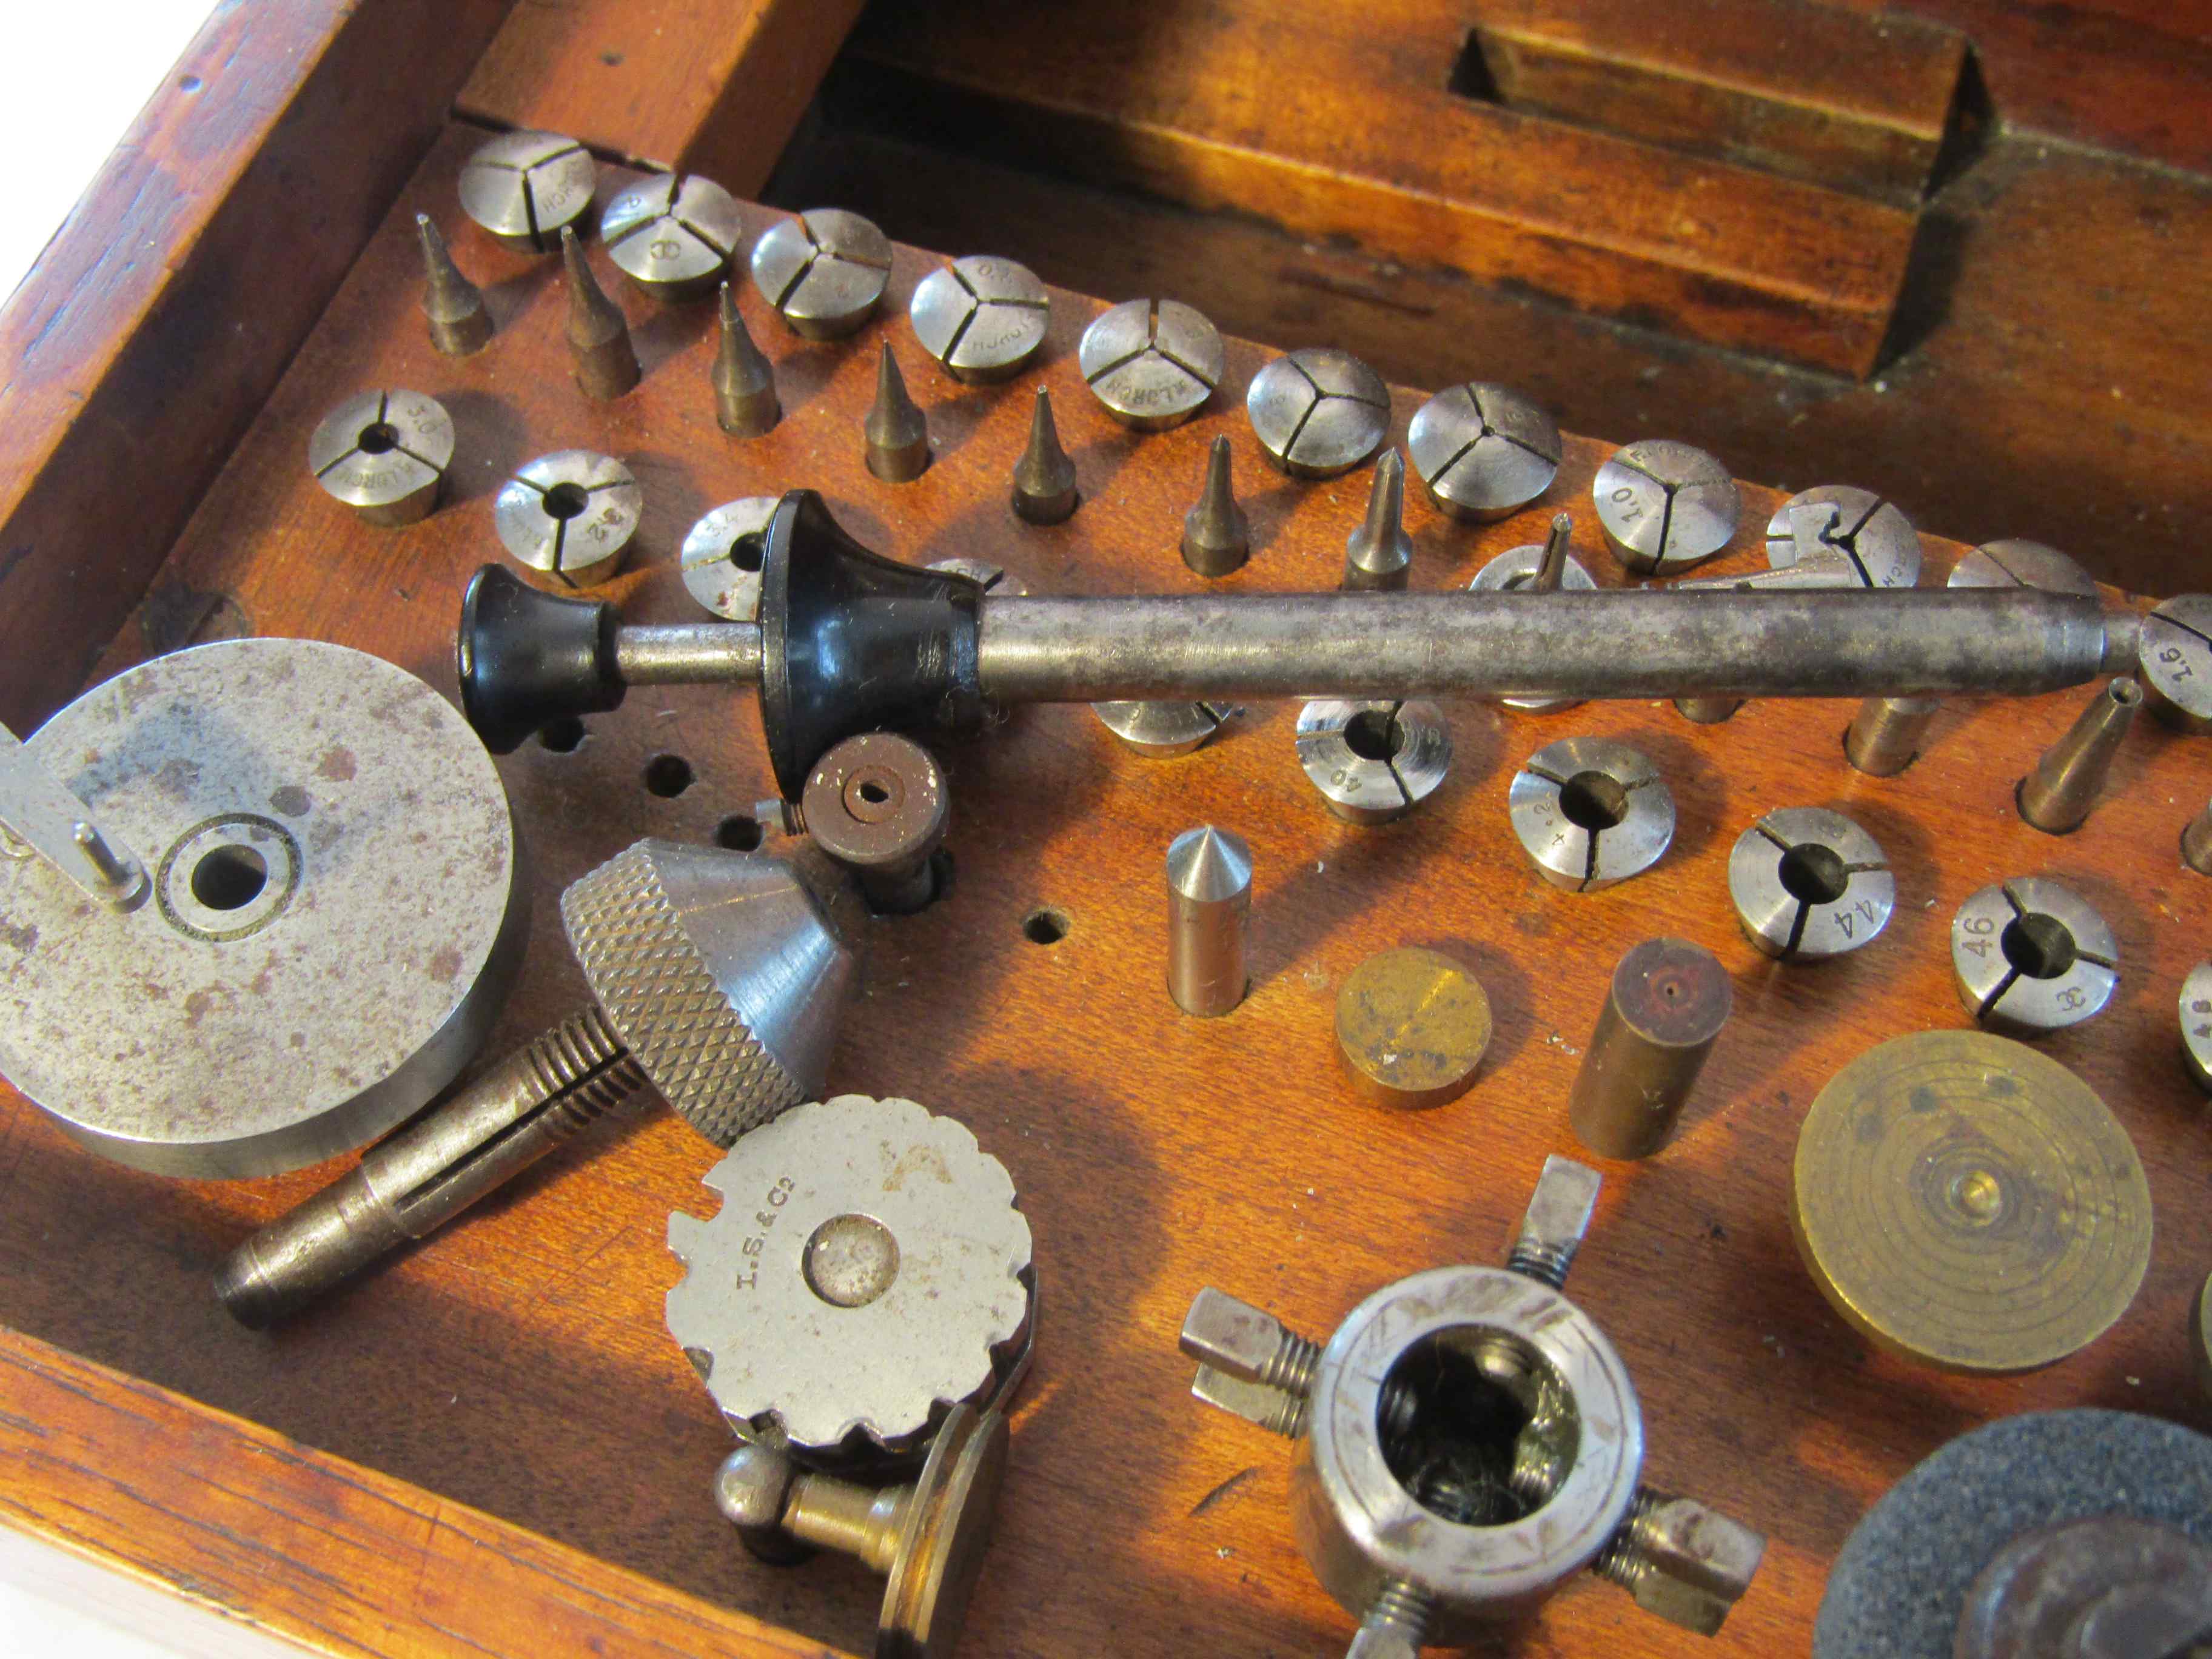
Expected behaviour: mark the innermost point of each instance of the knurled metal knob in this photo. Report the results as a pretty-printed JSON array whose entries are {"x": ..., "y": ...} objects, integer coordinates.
[
  {"x": 667, "y": 935},
  {"x": 869, "y": 1271}
]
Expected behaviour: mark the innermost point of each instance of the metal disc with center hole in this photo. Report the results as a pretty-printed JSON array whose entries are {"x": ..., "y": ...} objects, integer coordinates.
[
  {"x": 1375, "y": 759},
  {"x": 2031, "y": 954},
  {"x": 1965, "y": 1201},
  {"x": 1810, "y": 883},
  {"x": 569, "y": 515},
  {"x": 1591, "y": 812},
  {"x": 869, "y": 1268},
  {"x": 722, "y": 557},
  {"x": 333, "y": 919},
  {"x": 384, "y": 453}
]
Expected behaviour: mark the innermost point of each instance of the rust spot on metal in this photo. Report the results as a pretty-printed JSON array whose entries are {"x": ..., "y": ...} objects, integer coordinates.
[
  {"x": 290, "y": 800},
  {"x": 337, "y": 764},
  {"x": 445, "y": 964}
]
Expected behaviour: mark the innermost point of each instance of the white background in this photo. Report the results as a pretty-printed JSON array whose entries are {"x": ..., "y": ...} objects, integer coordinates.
[{"x": 81, "y": 71}]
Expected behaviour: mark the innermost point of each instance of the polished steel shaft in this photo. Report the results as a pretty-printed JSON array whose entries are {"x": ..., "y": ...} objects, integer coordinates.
[{"x": 1617, "y": 643}]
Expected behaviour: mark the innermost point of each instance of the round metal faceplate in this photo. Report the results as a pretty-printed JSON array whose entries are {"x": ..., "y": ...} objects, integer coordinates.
[
  {"x": 220, "y": 1033},
  {"x": 1400, "y": 1537}
]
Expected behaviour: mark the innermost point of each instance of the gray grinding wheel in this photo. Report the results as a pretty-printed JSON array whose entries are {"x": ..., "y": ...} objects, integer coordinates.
[{"x": 1902, "y": 1575}]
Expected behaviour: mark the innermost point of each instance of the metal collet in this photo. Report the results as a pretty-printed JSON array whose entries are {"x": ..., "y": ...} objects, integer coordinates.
[{"x": 1467, "y": 1441}]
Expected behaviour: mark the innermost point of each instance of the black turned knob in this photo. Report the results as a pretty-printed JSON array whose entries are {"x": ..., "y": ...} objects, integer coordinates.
[{"x": 527, "y": 659}]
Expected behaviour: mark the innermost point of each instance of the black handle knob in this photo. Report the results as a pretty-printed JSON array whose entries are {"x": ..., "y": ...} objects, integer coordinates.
[{"x": 527, "y": 659}]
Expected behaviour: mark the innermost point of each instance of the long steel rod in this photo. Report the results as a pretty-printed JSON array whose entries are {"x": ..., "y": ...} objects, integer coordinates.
[
  {"x": 1618, "y": 643},
  {"x": 1626, "y": 642}
]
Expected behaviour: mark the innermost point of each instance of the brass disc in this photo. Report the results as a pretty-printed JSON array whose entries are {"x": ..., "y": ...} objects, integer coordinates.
[
  {"x": 1411, "y": 1027},
  {"x": 1965, "y": 1201}
]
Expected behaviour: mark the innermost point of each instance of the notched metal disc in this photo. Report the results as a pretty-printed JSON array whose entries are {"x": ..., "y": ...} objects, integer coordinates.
[{"x": 333, "y": 923}]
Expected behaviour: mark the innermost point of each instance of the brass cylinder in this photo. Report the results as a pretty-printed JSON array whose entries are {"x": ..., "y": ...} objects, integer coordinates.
[
  {"x": 1707, "y": 711},
  {"x": 1885, "y": 735},
  {"x": 1669, "y": 1000}
]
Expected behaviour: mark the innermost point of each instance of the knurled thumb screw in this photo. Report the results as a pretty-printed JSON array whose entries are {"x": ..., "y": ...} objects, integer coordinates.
[
  {"x": 927, "y": 1537},
  {"x": 718, "y": 977}
]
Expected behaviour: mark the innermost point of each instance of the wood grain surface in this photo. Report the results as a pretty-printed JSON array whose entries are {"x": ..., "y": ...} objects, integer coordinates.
[
  {"x": 518, "y": 1363},
  {"x": 1339, "y": 122},
  {"x": 671, "y": 84},
  {"x": 302, "y": 1545},
  {"x": 156, "y": 322},
  {"x": 1806, "y": 89}
]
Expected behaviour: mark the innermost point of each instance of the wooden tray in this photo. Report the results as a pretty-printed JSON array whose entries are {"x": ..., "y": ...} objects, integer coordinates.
[{"x": 517, "y": 1364}]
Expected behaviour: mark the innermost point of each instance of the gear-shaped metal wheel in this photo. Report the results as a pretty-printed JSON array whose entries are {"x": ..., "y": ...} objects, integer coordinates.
[{"x": 868, "y": 1271}]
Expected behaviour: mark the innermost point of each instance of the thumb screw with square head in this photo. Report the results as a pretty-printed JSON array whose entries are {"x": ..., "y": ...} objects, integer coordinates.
[
  {"x": 928, "y": 1538},
  {"x": 717, "y": 978}
]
